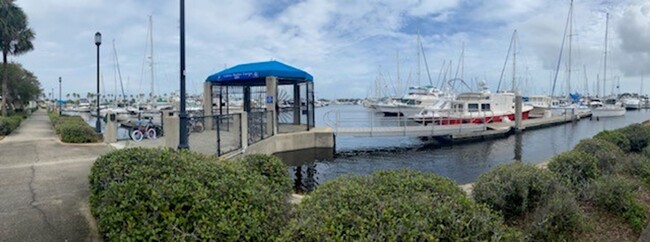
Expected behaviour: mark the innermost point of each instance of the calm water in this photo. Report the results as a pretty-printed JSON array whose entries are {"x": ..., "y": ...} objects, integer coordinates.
[{"x": 460, "y": 163}]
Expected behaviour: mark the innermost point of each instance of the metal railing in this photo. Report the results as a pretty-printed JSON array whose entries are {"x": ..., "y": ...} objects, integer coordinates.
[
  {"x": 229, "y": 129},
  {"x": 438, "y": 122},
  {"x": 260, "y": 125},
  {"x": 216, "y": 134}
]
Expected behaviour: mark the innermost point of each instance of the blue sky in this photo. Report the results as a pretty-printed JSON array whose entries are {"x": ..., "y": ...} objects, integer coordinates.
[{"x": 346, "y": 45}]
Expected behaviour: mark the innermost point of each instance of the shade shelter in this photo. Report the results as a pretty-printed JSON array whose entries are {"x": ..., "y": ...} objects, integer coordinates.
[{"x": 262, "y": 87}]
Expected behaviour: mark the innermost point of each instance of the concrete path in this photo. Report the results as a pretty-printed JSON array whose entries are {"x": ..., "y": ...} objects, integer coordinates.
[{"x": 44, "y": 185}]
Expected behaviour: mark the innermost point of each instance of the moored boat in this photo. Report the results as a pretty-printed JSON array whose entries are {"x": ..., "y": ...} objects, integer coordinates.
[{"x": 475, "y": 107}]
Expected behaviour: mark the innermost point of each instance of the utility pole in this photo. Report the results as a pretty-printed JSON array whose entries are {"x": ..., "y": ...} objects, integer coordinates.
[
  {"x": 183, "y": 144},
  {"x": 60, "y": 104}
]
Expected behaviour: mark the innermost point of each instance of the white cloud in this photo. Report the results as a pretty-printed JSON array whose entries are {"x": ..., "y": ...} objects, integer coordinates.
[{"x": 342, "y": 43}]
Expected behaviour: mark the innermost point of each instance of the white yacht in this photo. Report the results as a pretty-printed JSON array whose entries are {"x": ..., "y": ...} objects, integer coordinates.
[
  {"x": 610, "y": 108},
  {"x": 475, "y": 107},
  {"x": 84, "y": 105},
  {"x": 417, "y": 99},
  {"x": 632, "y": 103},
  {"x": 541, "y": 105}
]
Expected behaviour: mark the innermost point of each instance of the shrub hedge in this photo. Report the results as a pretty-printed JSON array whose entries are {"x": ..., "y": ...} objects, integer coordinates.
[
  {"x": 9, "y": 123},
  {"x": 617, "y": 195},
  {"x": 271, "y": 168},
  {"x": 576, "y": 168},
  {"x": 394, "y": 206},
  {"x": 608, "y": 155},
  {"x": 615, "y": 137},
  {"x": 73, "y": 129},
  {"x": 170, "y": 195},
  {"x": 559, "y": 219},
  {"x": 638, "y": 167},
  {"x": 638, "y": 135},
  {"x": 514, "y": 189},
  {"x": 533, "y": 195}
]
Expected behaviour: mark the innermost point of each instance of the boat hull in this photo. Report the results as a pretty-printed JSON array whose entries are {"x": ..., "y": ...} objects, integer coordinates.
[
  {"x": 451, "y": 120},
  {"x": 392, "y": 110},
  {"x": 608, "y": 112}
]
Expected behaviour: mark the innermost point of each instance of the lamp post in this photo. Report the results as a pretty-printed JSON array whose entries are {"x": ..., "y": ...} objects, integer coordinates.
[
  {"x": 182, "y": 142},
  {"x": 60, "y": 104},
  {"x": 98, "y": 42}
]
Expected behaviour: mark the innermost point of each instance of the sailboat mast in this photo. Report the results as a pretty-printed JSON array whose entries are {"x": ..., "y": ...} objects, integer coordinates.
[
  {"x": 568, "y": 81},
  {"x": 151, "y": 54},
  {"x": 605, "y": 61},
  {"x": 399, "y": 83},
  {"x": 418, "y": 49},
  {"x": 584, "y": 69},
  {"x": 514, "y": 59},
  {"x": 559, "y": 59},
  {"x": 119, "y": 72}
]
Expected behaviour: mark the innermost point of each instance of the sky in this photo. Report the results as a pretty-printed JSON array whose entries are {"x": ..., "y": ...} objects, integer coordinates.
[{"x": 351, "y": 48}]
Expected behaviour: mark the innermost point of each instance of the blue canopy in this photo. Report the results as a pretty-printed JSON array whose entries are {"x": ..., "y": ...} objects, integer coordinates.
[{"x": 255, "y": 74}]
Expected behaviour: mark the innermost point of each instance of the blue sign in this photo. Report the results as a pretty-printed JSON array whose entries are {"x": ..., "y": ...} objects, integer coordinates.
[{"x": 269, "y": 99}]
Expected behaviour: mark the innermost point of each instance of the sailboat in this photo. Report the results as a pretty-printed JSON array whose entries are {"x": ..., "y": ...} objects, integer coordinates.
[
  {"x": 610, "y": 107},
  {"x": 573, "y": 101}
]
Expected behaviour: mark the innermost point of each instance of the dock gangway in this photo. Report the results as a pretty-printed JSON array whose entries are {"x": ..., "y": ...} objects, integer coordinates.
[{"x": 370, "y": 124}]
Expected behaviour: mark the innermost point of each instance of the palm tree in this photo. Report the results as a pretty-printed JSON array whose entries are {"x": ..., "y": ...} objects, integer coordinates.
[{"x": 15, "y": 39}]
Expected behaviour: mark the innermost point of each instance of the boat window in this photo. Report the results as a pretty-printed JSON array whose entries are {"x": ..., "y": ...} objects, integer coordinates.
[
  {"x": 472, "y": 107},
  {"x": 485, "y": 107},
  {"x": 458, "y": 107}
]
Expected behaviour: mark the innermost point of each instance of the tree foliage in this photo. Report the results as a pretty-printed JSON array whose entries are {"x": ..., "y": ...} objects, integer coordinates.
[
  {"x": 15, "y": 39},
  {"x": 23, "y": 86}
]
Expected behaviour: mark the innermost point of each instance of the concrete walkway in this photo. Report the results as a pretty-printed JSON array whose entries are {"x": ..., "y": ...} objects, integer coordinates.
[{"x": 44, "y": 185}]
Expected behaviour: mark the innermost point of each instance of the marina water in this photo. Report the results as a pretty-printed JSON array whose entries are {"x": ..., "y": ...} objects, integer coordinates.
[{"x": 462, "y": 163}]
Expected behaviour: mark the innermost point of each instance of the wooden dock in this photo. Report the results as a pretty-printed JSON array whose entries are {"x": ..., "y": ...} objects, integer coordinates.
[
  {"x": 530, "y": 124},
  {"x": 452, "y": 134},
  {"x": 411, "y": 131}
]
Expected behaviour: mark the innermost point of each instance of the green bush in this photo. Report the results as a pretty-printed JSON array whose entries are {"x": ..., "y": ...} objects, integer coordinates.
[
  {"x": 608, "y": 155},
  {"x": 638, "y": 135},
  {"x": 78, "y": 134},
  {"x": 576, "y": 168},
  {"x": 616, "y": 194},
  {"x": 615, "y": 137},
  {"x": 73, "y": 129},
  {"x": 394, "y": 206},
  {"x": 557, "y": 220},
  {"x": 9, "y": 123},
  {"x": 271, "y": 168},
  {"x": 638, "y": 167},
  {"x": 646, "y": 152},
  {"x": 514, "y": 189},
  {"x": 170, "y": 195}
]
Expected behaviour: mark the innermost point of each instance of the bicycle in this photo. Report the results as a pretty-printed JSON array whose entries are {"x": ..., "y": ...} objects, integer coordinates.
[
  {"x": 143, "y": 129},
  {"x": 195, "y": 124}
]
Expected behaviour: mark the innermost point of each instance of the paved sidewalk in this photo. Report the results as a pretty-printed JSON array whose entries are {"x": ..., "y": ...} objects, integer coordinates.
[{"x": 44, "y": 185}]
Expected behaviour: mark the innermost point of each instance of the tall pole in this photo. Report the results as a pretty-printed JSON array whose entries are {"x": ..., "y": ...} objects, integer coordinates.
[
  {"x": 182, "y": 144},
  {"x": 151, "y": 57},
  {"x": 514, "y": 61},
  {"x": 98, "y": 42},
  {"x": 60, "y": 104},
  {"x": 605, "y": 61}
]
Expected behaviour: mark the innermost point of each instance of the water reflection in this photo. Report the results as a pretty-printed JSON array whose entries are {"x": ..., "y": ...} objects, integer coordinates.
[
  {"x": 518, "y": 143},
  {"x": 461, "y": 163},
  {"x": 303, "y": 166}
]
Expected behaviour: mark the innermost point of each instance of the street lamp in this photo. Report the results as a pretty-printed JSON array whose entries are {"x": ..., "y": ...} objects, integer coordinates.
[
  {"x": 182, "y": 142},
  {"x": 98, "y": 42},
  {"x": 60, "y": 96}
]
